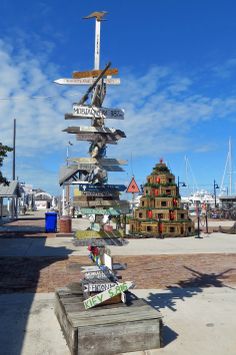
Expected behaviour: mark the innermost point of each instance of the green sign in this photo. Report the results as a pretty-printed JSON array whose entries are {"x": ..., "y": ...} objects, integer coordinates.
[{"x": 105, "y": 295}]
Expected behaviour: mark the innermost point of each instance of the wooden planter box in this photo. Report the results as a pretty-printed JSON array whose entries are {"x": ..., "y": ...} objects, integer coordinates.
[{"x": 109, "y": 329}]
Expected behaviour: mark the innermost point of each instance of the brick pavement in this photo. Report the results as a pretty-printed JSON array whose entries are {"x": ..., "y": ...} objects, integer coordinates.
[{"x": 44, "y": 274}]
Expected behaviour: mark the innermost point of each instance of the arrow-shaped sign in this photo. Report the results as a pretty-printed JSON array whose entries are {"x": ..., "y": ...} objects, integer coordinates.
[
  {"x": 85, "y": 81},
  {"x": 94, "y": 73},
  {"x": 106, "y": 295},
  {"x": 97, "y": 188},
  {"x": 84, "y": 111}
]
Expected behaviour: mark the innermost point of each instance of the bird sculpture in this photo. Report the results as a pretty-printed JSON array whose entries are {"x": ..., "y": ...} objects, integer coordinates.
[{"x": 97, "y": 14}]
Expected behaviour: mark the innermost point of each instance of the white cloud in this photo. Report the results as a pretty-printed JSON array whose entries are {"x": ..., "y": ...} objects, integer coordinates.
[{"x": 161, "y": 109}]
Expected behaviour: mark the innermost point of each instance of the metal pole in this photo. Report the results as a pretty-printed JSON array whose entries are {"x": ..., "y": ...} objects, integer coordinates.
[
  {"x": 206, "y": 223},
  {"x": 215, "y": 192},
  {"x": 14, "y": 151},
  {"x": 97, "y": 44}
]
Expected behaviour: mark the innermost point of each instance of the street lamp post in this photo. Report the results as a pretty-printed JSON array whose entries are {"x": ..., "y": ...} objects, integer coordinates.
[
  {"x": 215, "y": 187},
  {"x": 182, "y": 183}
]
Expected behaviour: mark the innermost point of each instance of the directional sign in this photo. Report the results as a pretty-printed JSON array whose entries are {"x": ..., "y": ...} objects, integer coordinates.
[
  {"x": 98, "y": 275},
  {"x": 90, "y": 268},
  {"x": 91, "y": 167},
  {"x": 85, "y": 81},
  {"x": 97, "y": 112},
  {"x": 92, "y": 129},
  {"x": 98, "y": 287},
  {"x": 93, "y": 73},
  {"x": 105, "y": 295},
  {"x": 104, "y": 162},
  {"x": 100, "y": 188}
]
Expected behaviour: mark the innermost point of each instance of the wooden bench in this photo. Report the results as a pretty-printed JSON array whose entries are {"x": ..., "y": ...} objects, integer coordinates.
[{"x": 107, "y": 329}]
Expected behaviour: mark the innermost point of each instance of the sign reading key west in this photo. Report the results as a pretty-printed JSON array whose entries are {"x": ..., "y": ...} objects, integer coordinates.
[
  {"x": 97, "y": 112},
  {"x": 105, "y": 295}
]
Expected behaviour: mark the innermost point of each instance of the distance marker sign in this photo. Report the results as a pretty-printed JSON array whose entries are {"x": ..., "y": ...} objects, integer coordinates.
[{"x": 103, "y": 296}]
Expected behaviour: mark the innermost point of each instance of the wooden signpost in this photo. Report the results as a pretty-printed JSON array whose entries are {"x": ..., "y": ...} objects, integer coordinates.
[
  {"x": 85, "y": 81},
  {"x": 105, "y": 295},
  {"x": 84, "y": 111}
]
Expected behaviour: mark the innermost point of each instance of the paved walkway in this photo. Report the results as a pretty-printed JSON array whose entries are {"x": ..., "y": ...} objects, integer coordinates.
[
  {"x": 192, "y": 281},
  {"x": 194, "y": 323}
]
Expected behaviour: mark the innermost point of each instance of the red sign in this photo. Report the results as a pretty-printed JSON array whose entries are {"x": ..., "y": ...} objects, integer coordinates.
[{"x": 133, "y": 187}]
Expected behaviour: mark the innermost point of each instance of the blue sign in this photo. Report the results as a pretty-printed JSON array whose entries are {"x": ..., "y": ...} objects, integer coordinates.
[{"x": 101, "y": 188}]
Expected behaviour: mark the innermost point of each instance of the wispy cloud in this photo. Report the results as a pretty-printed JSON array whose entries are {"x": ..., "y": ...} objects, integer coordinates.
[{"x": 161, "y": 107}]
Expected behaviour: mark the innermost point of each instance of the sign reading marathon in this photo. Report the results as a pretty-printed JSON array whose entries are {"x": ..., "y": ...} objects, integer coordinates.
[{"x": 97, "y": 112}]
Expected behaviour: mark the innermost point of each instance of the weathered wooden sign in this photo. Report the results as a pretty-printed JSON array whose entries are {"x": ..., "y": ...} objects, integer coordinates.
[
  {"x": 92, "y": 129},
  {"x": 90, "y": 268},
  {"x": 98, "y": 275},
  {"x": 91, "y": 167},
  {"x": 93, "y": 73},
  {"x": 98, "y": 287},
  {"x": 104, "y": 162},
  {"x": 85, "y": 81},
  {"x": 105, "y": 295},
  {"x": 97, "y": 112}
]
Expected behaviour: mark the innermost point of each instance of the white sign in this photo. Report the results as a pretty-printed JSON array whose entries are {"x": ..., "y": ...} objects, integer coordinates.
[
  {"x": 108, "y": 261},
  {"x": 98, "y": 287},
  {"x": 112, "y": 292},
  {"x": 90, "y": 268},
  {"x": 98, "y": 112},
  {"x": 95, "y": 275},
  {"x": 85, "y": 81}
]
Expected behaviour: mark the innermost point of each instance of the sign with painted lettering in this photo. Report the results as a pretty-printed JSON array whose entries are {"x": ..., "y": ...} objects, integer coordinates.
[
  {"x": 97, "y": 112},
  {"x": 98, "y": 287},
  {"x": 104, "y": 162},
  {"x": 90, "y": 275},
  {"x": 104, "y": 130},
  {"x": 105, "y": 295},
  {"x": 90, "y": 268},
  {"x": 85, "y": 81},
  {"x": 94, "y": 73},
  {"x": 97, "y": 188}
]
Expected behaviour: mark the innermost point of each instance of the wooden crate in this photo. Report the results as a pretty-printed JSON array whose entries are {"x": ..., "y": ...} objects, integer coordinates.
[{"x": 110, "y": 329}]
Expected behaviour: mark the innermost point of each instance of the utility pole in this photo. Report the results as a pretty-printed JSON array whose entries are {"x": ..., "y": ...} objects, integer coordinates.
[{"x": 14, "y": 151}]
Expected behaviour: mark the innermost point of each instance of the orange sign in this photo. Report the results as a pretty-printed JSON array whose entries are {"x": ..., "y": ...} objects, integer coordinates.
[
  {"x": 93, "y": 73},
  {"x": 133, "y": 187}
]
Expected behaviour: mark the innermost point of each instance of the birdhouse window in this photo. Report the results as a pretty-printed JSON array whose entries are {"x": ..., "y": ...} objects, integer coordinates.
[
  {"x": 172, "y": 229},
  {"x": 149, "y": 229},
  {"x": 182, "y": 216},
  {"x": 170, "y": 180},
  {"x": 168, "y": 192},
  {"x": 140, "y": 215},
  {"x": 160, "y": 215},
  {"x": 163, "y": 203}
]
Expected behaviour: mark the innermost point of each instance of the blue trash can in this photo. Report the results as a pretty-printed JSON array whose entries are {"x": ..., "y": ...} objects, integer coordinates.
[{"x": 50, "y": 222}]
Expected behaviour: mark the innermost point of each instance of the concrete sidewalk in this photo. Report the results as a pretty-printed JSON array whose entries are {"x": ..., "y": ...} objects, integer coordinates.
[
  {"x": 196, "y": 321},
  {"x": 212, "y": 243}
]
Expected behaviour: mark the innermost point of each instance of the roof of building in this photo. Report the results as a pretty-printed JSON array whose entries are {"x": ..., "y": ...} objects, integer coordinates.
[{"x": 11, "y": 190}]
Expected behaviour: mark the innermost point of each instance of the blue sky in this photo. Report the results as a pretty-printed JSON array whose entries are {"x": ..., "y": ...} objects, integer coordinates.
[{"x": 177, "y": 64}]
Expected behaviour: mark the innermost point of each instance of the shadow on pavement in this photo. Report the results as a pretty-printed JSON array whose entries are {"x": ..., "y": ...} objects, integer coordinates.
[{"x": 185, "y": 289}]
